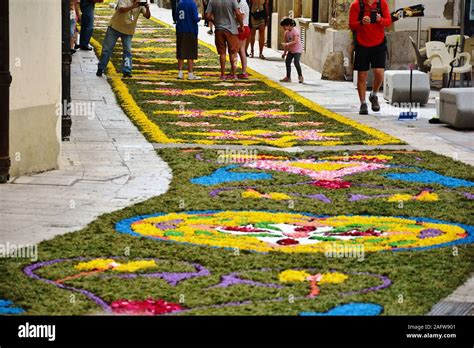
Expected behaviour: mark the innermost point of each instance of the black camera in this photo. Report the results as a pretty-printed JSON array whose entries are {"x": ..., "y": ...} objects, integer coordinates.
[{"x": 373, "y": 16}]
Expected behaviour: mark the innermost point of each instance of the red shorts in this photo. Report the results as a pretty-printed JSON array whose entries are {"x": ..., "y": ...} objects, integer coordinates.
[{"x": 244, "y": 33}]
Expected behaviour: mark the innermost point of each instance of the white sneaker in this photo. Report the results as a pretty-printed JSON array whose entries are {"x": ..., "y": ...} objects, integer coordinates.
[
  {"x": 194, "y": 77},
  {"x": 180, "y": 75}
]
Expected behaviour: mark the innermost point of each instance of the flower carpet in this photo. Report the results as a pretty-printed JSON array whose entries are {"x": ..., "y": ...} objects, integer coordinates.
[
  {"x": 247, "y": 232},
  {"x": 312, "y": 234},
  {"x": 243, "y": 112}
]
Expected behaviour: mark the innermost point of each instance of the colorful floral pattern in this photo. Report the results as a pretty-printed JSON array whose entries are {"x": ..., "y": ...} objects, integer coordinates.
[
  {"x": 295, "y": 232},
  {"x": 203, "y": 92},
  {"x": 152, "y": 306},
  {"x": 316, "y": 170},
  {"x": 350, "y": 309},
  {"x": 7, "y": 307},
  {"x": 235, "y": 115}
]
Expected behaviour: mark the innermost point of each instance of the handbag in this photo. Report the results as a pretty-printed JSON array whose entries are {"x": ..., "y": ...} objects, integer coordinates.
[{"x": 259, "y": 14}]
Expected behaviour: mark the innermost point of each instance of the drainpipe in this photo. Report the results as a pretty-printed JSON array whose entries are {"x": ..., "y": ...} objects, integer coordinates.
[
  {"x": 66, "y": 71},
  {"x": 5, "y": 81}
]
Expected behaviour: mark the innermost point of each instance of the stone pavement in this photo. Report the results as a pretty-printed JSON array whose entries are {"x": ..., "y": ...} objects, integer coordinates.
[
  {"x": 107, "y": 165},
  {"x": 341, "y": 97}
]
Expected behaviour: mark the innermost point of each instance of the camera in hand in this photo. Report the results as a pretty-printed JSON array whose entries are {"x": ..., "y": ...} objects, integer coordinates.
[{"x": 373, "y": 16}]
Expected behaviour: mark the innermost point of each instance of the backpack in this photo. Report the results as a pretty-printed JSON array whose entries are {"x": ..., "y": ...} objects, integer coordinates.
[
  {"x": 361, "y": 16},
  {"x": 362, "y": 8}
]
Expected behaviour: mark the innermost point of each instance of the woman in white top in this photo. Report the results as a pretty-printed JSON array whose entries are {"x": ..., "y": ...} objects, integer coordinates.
[{"x": 244, "y": 34}]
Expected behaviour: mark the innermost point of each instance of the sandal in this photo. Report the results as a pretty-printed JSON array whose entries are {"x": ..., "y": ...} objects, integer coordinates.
[
  {"x": 251, "y": 54},
  {"x": 262, "y": 57}
]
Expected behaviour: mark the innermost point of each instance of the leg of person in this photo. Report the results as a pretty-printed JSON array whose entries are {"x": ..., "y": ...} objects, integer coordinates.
[
  {"x": 361, "y": 89},
  {"x": 87, "y": 24},
  {"x": 127, "y": 64},
  {"x": 298, "y": 67},
  {"x": 192, "y": 54},
  {"x": 72, "y": 32},
  {"x": 362, "y": 65},
  {"x": 191, "y": 75},
  {"x": 252, "y": 42},
  {"x": 247, "y": 44},
  {"x": 377, "y": 62},
  {"x": 243, "y": 59},
  {"x": 173, "y": 9},
  {"x": 180, "y": 69},
  {"x": 221, "y": 50},
  {"x": 288, "y": 60},
  {"x": 206, "y": 22},
  {"x": 180, "y": 55},
  {"x": 111, "y": 37},
  {"x": 261, "y": 40},
  {"x": 378, "y": 80},
  {"x": 233, "y": 44}
]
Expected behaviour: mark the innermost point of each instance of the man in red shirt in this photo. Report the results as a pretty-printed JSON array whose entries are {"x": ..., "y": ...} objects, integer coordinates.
[{"x": 368, "y": 21}]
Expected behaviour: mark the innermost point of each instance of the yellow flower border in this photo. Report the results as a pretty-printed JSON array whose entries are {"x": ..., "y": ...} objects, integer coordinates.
[
  {"x": 397, "y": 227},
  {"x": 149, "y": 128}
]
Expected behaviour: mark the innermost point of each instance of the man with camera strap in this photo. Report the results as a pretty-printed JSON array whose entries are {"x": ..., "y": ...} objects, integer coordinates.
[
  {"x": 368, "y": 20},
  {"x": 122, "y": 25}
]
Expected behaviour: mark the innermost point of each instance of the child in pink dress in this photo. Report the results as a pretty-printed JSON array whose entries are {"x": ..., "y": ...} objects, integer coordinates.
[{"x": 293, "y": 49}]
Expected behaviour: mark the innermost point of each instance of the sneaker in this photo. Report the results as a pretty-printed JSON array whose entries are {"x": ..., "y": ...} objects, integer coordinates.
[
  {"x": 374, "y": 100},
  {"x": 127, "y": 74},
  {"x": 285, "y": 79},
  {"x": 194, "y": 77},
  {"x": 364, "y": 109},
  {"x": 230, "y": 77},
  {"x": 301, "y": 79},
  {"x": 99, "y": 72},
  {"x": 243, "y": 76},
  {"x": 85, "y": 48},
  {"x": 73, "y": 51},
  {"x": 180, "y": 75},
  {"x": 210, "y": 32}
]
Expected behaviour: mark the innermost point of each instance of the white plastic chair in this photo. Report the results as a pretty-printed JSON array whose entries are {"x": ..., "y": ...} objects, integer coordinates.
[
  {"x": 440, "y": 59},
  {"x": 451, "y": 42}
]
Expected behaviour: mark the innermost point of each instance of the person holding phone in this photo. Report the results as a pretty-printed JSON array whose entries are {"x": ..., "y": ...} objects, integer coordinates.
[
  {"x": 122, "y": 25},
  {"x": 368, "y": 20}
]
